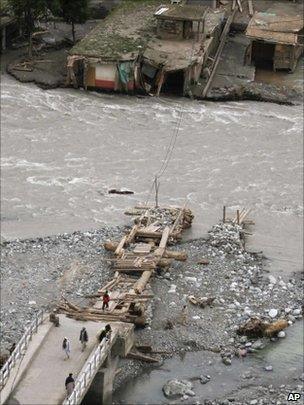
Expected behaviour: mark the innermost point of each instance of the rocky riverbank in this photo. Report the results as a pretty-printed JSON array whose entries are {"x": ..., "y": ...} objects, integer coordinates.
[
  {"x": 48, "y": 71},
  {"x": 217, "y": 268},
  {"x": 47, "y": 68},
  {"x": 36, "y": 272}
]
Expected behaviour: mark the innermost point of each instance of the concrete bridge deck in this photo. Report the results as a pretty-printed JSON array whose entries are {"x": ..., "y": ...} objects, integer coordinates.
[{"x": 39, "y": 376}]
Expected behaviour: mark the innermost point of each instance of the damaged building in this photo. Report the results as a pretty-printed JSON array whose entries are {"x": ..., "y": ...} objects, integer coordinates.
[
  {"x": 276, "y": 37},
  {"x": 170, "y": 60},
  {"x": 174, "y": 59}
]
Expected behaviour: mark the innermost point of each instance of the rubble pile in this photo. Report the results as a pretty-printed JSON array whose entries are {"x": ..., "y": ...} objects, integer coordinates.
[
  {"x": 162, "y": 217},
  {"x": 227, "y": 237}
]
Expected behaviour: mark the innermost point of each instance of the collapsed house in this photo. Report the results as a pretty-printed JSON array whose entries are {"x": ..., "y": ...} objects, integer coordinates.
[
  {"x": 169, "y": 59},
  {"x": 276, "y": 37},
  {"x": 96, "y": 69},
  {"x": 106, "y": 58},
  {"x": 174, "y": 59}
]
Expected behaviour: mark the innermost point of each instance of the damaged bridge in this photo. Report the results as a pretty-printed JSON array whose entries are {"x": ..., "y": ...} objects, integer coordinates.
[{"x": 35, "y": 372}]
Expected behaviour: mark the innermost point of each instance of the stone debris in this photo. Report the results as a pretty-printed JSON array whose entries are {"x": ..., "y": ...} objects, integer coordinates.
[
  {"x": 174, "y": 389},
  {"x": 204, "y": 379},
  {"x": 227, "y": 361},
  {"x": 227, "y": 237},
  {"x": 203, "y": 262},
  {"x": 201, "y": 302},
  {"x": 273, "y": 313},
  {"x": 172, "y": 289}
]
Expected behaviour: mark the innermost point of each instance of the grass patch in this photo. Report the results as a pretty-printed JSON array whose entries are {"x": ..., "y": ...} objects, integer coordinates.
[{"x": 127, "y": 29}]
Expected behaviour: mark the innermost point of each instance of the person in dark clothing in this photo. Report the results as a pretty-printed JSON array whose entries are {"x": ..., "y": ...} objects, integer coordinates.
[
  {"x": 105, "y": 334},
  {"x": 83, "y": 338},
  {"x": 69, "y": 384},
  {"x": 105, "y": 301},
  {"x": 12, "y": 348}
]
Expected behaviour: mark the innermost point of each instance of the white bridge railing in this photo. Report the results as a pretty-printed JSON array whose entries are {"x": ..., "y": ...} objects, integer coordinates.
[
  {"x": 20, "y": 348},
  {"x": 85, "y": 379}
]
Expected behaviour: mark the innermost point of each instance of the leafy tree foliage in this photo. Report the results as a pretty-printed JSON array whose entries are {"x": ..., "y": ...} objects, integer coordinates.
[
  {"x": 74, "y": 12},
  {"x": 28, "y": 11}
]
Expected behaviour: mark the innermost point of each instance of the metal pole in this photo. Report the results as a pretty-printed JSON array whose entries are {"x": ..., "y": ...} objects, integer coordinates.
[
  {"x": 238, "y": 217},
  {"x": 224, "y": 214}
]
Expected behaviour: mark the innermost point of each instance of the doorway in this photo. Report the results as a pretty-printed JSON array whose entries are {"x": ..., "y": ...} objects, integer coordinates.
[
  {"x": 262, "y": 54},
  {"x": 174, "y": 83}
]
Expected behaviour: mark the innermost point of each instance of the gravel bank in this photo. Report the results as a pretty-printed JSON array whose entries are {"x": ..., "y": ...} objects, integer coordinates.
[
  {"x": 241, "y": 288},
  {"x": 35, "y": 272}
]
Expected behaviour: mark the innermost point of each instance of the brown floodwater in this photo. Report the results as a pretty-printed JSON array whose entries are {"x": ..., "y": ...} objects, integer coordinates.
[{"x": 62, "y": 150}]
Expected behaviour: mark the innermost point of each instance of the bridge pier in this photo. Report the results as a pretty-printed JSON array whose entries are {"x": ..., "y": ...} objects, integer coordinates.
[{"x": 101, "y": 389}]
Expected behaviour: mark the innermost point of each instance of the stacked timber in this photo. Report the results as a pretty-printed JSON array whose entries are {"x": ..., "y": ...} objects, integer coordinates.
[{"x": 139, "y": 253}]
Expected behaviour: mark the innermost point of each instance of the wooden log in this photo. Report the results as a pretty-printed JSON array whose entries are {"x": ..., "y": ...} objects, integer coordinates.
[
  {"x": 163, "y": 242},
  {"x": 120, "y": 246},
  {"x": 148, "y": 234},
  {"x": 91, "y": 296},
  {"x": 72, "y": 306},
  {"x": 141, "y": 284},
  {"x": 133, "y": 270},
  {"x": 164, "y": 263},
  {"x": 80, "y": 317},
  {"x": 144, "y": 348},
  {"x": 178, "y": 218},
  {"x": 239, "y": 5},
  {"x": 132, "y": 234},
  {"x": 110, "y": 246},
  {"x": 141, "y": 295},
  {"x": 142, "y": 357},
  {"x": 128, "y": 266},
  {"x": 171, "y": 254},
  {"x": 219, "y": 50},
  {"x": 250, "y": 6},
  {"x": 109, "y": 285}
]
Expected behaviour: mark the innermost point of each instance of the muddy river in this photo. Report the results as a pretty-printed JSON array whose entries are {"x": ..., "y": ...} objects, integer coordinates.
[
  {"x": 147, "y": 389},
  {"x": 62, "y": 150}
]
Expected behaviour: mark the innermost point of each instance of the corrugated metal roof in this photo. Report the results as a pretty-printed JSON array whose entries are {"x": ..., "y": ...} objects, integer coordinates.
[{"x": 280, "y": 23}]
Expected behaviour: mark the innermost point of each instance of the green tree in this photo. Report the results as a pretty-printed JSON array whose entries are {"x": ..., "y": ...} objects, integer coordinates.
[
  {"x": 74, "y": 12},
  {"x": 27, "y": 11}
]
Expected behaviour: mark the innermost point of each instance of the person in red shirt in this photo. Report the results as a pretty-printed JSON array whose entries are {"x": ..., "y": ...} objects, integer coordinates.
[{"x": 105, "y": 301}]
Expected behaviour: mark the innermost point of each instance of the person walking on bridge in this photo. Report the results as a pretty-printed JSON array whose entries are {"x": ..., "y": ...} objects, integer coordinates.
[
  {"x": 105, "y": 334},
  {"x": 66, "y": 347},
  {"x": 105, "y": 301},
  {"x": 83, "y": 338},
  {"x": 69, "y": 384}
]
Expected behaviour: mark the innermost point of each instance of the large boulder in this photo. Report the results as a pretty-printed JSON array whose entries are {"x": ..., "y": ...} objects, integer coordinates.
[{"x": 178, "y": 388}]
